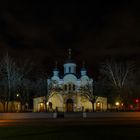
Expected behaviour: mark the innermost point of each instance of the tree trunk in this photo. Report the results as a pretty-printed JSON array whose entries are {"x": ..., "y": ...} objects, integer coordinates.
[
  {"x": 21, "y": 106},
  {"x": 6, "y": 109},
  {"x": 3, "y": 106},
  {"x": 93, "y": 107}
]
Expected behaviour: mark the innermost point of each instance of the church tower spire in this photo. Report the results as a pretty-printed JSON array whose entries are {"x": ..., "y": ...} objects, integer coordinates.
[
  {"x": 69, "y": 65},
  {"x": 56, "y": 71},
  {"x": 83, "y": 65},
  {"x": 83, "y": 69},
  {"x": 69, "y": 56}
]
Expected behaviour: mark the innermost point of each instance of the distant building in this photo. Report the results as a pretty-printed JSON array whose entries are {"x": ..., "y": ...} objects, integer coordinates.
[
  {"x": 13, "y": 106},
  {"x": 70, "y": 93}
]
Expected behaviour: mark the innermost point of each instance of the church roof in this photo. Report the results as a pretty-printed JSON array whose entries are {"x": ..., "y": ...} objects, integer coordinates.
[
  {"x": 69, "y": 61},
  {"x": 83, "y": 67},
  {"x": 55, "y": 69}
]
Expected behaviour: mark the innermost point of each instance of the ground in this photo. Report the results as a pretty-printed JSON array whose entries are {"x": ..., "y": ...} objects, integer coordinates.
[{"x": 70, "y": 129}]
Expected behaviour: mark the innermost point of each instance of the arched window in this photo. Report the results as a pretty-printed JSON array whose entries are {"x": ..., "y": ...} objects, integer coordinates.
[
  {"x": 73, "y": 87},
  {"x": 65, "y": 87},
  {"x": 69, "y": 69},
  {"x": 69, "y": 87}
]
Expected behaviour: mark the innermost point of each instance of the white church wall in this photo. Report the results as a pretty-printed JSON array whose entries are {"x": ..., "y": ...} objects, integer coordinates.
[
  {"x": 84, "y": 102},
  {"x": 55, "y": 78},
  {"x": 84, "y": 80},
  {"x": 37, "y": 103},
  {"x": 69, "y": 68},
  {"x": 57, "y": 101},
  {"x": 100, "y": 104},
  {"x": 70, "y": 79},
  {"x": 69, "y": 87}
]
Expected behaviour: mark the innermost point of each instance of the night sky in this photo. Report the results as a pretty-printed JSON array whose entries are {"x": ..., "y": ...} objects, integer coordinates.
[{"x": 42, "y": 32}]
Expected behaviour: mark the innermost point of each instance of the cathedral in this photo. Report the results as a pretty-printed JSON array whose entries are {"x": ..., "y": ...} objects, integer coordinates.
[{"x": 70, "y": 92}]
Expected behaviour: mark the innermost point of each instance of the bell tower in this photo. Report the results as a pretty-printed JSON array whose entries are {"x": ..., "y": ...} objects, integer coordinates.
[{"x": 69, "y": 65}]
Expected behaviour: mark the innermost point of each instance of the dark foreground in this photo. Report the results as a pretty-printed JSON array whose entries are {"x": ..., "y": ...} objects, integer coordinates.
[{"x": 70, "y": 129}]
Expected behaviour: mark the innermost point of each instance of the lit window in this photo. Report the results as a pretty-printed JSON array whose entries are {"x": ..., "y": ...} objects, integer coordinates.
[{"x": 69, "y": 69}]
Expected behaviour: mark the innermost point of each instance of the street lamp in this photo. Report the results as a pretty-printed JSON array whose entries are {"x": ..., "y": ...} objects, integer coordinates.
[
  {"x": 117, "y": 105},
  {"x": 47, "y": 107},
  {"x": 18, "y": 102}
]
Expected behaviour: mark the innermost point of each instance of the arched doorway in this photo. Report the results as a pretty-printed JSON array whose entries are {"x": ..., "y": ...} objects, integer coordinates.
[
  {"x": 98, "y": 106},
  {"x": 49, "y": 106},
  {"x": 69, "y": 105}
]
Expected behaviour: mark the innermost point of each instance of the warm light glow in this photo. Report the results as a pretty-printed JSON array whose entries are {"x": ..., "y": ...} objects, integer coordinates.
[
  {"x": 41, "y": 104},
  {"x": 47, "y": 103},
  {"x": 117, "y": 103},
  {"x": 17, "y": 95},
  {"x": 137, "y": 100},
  {"x": 98, "y": 103}
]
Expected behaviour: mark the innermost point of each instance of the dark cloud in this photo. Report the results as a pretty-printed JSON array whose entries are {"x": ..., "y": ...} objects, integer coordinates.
[{"x": 44, "y": 31}]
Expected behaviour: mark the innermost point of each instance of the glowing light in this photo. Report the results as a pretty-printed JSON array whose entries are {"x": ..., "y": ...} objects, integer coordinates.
[
  {"x": 137, "y": 100},
  {"x": 41, "y": 104},
  {"x": 17, "y": 95},
  {"x": 117, "y": 103},
  {"x": 131, "y": 106},
  {"x": 98, "y": 103}
]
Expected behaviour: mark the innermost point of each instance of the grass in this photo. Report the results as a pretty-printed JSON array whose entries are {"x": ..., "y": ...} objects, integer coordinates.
[
  {"x": 44, "y": 131},
  {"x": 67, "y": 133}
]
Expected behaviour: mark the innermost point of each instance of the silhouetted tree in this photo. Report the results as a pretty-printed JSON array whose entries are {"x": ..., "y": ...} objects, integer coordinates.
[
  {"x": 117, "y": 75},
  {"x": 87, "y": 90},
  {"x": 12, "y": 80}
]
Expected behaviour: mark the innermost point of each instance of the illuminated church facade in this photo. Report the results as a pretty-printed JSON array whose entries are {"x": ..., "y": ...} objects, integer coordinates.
[{"x": 70, "y": 93}]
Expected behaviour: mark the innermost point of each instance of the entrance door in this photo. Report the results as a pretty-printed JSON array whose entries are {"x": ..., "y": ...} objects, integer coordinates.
[
  {"x": 98, "y": 106},
  {"x": 69, "y": 105},
  {"x": 49, "y": 106}
]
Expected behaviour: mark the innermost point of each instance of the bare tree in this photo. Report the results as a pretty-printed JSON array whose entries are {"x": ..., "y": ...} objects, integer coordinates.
[
  {"x": 87, "y": 90},
  {"x": 12, "y": 79},
  {"x": 41, "y": 86},
  {"x": 117, "y": 76}
]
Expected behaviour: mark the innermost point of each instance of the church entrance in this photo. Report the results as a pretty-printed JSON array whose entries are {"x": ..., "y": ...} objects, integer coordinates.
[
  {"x": 98, "y": 106},
  {"x": 69, "y": 105}
]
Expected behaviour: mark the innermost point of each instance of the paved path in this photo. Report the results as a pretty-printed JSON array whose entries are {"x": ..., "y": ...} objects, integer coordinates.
[
  {"x": 71, "y": 122},
  {"x": 4, "y": 116}
]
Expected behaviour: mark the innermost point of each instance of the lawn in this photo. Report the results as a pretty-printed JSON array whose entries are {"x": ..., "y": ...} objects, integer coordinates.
[
  {"x": 70, "y": 129},
  {"x": 64, "y": 131}
]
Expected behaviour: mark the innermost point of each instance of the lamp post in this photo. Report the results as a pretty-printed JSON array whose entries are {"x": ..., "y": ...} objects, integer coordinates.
[
  {"x": 19, "y": 104},
  {"x": 117, "y": 105},
  {"x": 47, "y": 107}
]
